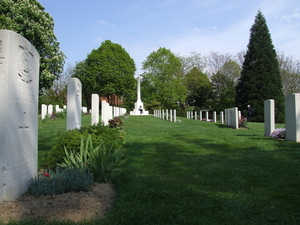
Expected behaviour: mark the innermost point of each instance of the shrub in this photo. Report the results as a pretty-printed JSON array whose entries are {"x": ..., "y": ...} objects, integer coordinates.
[
  {"x": 243, "y": 122},
  {"x": 71, "y": 139},
  {"x": 104, "y": 161},
  {"x": 116, "y": 122},
  {"x": 60, "y": 181},
  {"x": 279, "y": 133}
]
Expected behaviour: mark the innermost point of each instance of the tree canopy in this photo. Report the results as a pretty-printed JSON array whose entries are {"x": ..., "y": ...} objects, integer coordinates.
[
  {"x": 163, "y": 72},
  {"x": 28, "y": 18},
  {"x": 199, "y": 89},
  {"x": 260, "y": 77},
  {"x": 107, "y": 71}
]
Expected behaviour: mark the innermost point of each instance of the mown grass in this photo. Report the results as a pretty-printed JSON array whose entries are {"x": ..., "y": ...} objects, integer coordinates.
[{"x": 204, "y": 173}]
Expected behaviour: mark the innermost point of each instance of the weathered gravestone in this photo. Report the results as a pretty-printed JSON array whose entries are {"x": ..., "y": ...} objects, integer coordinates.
[
  {"x": 74, "y": 104},
  {"x": 19, "y": 74}
]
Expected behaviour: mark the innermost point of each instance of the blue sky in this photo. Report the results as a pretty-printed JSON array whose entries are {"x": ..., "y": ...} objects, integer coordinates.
[{"x": 183, "y": 26}]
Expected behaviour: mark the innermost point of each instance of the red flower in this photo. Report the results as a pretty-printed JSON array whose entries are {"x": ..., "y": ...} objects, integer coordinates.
[{"x": 46, "y": 174}]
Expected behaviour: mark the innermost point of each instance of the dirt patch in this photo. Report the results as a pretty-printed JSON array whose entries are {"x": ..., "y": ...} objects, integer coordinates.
[{"x": 68, "y": 206}]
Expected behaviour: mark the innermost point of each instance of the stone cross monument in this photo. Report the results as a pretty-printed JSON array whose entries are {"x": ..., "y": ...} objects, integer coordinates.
[{"x": 139, "y": 105}]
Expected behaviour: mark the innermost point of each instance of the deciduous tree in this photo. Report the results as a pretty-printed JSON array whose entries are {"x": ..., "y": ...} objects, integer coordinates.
[
  {"x": 107, "y": 71},
  {"x": 28, "y": 18},
  {"x": 163, "y": 72}
]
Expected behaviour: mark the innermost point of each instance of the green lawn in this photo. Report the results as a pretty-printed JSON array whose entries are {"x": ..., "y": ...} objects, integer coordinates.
[{"x": 196, "y": 172}]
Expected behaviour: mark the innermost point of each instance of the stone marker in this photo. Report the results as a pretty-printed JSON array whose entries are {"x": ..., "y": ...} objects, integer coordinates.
[
  {"x": 221, "y": 117},
  {"x": 104, "y": 112},
  {"x": 174, "y": 115},
  {"x": 215, "y": 117},
  {"x": 292, "y": 117},
  {"x": 50, "y": 110},
  {"x": 19, "y": 74},
  {"x": 74, "y": 104},
  {"x": 43, "y": 111},
  {"x": 95, "y": 109},
  {"x": 269, "y": 116}
]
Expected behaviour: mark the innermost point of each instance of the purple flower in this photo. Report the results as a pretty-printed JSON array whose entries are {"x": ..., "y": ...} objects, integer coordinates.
[{"x": 279, "y": 133}]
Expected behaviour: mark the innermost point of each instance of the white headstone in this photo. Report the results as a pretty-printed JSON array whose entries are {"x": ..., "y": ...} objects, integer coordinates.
[
  {"x": 221, "y": 117},
  {"x": 200, "y": 116},
  {"x": 104, "y": 112},
  {"x": 269, "y": 116},
  {"x": 171, "y": 115},
  {"x": 19, "y": 75},
  {"x": 95, "y": 109},
  {"x": 74, "y": 104},
  {"x": 50, "y": 110},
  {"x": 174, "y": 115},
  {"x": 292, "y": 117},
  {"x": 206, "y": 115},
  {"x": 215, "y": 117},
  {"x": 43, "y": 111}
]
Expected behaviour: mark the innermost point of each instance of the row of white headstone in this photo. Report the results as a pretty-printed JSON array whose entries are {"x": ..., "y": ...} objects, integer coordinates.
[
  {"x": 165, "y": 114},
  {"x": 48, "y": 110}
]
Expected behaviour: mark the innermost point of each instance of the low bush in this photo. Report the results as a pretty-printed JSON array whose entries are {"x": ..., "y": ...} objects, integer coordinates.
[
  {"x": 105, "y": 161},
  {"x": 62, "y": 180},
  {"x": 71, "y": 139}
]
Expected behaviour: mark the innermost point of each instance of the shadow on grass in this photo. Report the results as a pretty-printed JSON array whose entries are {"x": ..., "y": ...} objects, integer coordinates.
[{"x": 197, "y": 181}]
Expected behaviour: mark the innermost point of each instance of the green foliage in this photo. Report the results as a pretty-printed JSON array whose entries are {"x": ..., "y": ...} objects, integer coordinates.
[
  {"x": 105, "y": 161},
  {"x": 29, "y": 19},
  {"x": 164, "y": 78},
  {"x": 108, "y": 70},
  {"x": 116, "y": 122},
  {"x": 71, "y": 139},
  {"x": 199, "y": 89},
  {"x": 60, "y": 181},
  {"x": 260, "y": 76}
]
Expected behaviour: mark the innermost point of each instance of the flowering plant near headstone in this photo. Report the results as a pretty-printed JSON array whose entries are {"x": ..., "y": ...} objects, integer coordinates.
[
  {"x": 243, "y": 122},
  {"x": 279, "y": 133}
]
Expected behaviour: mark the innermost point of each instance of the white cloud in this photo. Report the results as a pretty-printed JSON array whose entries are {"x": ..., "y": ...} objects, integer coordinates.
[{"x": 99, "y": 39}]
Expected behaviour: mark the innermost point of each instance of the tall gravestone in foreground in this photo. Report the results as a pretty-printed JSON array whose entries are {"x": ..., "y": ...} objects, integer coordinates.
[
  {"x": 19, "y": 75},
  {"x": 138, "y": 102},
  {"x": 74, "y": 104},
  {"x": 292, "y": 117}
]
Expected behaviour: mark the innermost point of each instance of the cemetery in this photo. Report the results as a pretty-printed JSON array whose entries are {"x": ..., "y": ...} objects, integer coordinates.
[{"x": 101, "y": 163}]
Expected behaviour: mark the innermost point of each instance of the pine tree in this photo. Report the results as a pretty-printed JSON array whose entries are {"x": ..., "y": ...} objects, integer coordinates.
[{"x": 260, "y": 77}]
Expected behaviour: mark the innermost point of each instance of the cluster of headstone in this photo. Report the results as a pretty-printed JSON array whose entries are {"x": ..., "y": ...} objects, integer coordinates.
[
  {"x": 48, "y": 110},
  {"x": 232, "y": 116},
  {"x": 109, "y": 112},
  {"x": 292, "y": 117},
  {"x": 169, "y": 115},
  {"x": 74, "y": 107}
]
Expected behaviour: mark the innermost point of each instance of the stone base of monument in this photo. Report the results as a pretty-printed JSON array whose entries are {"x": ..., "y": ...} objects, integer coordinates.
[{"x": 137, "y": 112}]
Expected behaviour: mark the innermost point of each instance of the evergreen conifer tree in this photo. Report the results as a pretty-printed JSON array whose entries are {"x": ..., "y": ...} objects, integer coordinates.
[{"x": 260, "y": 77}]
